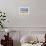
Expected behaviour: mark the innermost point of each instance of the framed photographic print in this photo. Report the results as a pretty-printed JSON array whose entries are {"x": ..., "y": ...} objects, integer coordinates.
[{"x": 23, "y": 10}]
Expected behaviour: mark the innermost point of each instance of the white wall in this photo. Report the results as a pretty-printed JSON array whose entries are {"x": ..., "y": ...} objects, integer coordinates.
[
  {"x": 36, "y": 17},
  {"x": 36, "y": 20}
]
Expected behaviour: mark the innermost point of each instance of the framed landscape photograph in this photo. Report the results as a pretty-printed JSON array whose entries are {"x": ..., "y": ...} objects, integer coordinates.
[{"x": 23, "y": 10}]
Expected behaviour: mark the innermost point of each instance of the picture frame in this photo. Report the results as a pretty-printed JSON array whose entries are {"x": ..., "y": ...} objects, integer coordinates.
[{"x": 24, "y": 11}]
